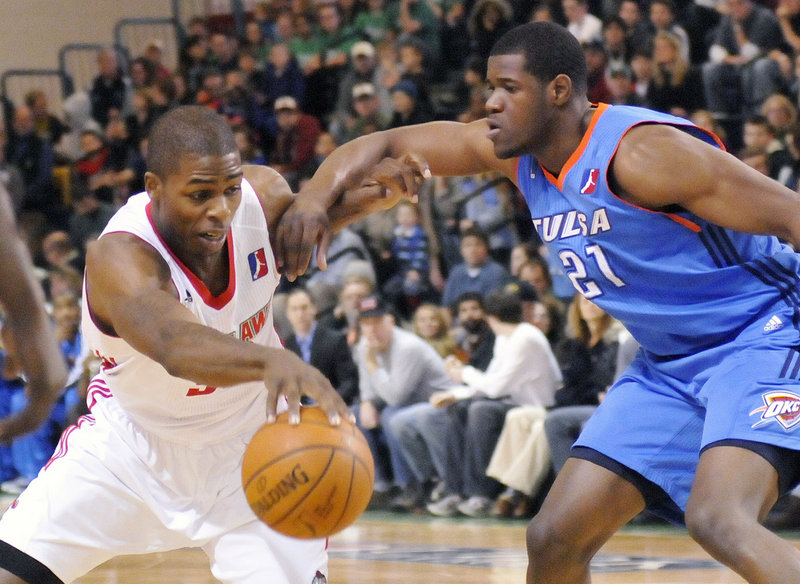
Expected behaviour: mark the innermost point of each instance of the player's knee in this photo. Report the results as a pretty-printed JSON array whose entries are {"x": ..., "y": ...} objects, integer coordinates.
[
  {"x": 711, "y": 525},
  {"x": 548, "y": 543}
]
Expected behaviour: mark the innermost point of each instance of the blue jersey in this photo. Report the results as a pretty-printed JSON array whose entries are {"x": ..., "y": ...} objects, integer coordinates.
[{"x": 677, "y": 282}]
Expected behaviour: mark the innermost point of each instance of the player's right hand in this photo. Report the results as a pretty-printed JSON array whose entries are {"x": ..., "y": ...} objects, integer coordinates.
[{"x": 289, "y": 376}]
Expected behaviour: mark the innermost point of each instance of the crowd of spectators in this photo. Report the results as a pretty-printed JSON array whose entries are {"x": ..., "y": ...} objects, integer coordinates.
[{"x": 306, "y": 76}]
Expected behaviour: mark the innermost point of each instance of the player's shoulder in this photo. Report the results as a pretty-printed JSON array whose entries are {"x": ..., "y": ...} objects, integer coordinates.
[{"x": 271, "y": 189}]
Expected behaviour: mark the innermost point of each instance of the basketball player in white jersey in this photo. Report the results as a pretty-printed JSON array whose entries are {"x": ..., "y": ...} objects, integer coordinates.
[
  {"x": 180, "y": 277},
  {"x": 22, "y": 304}
]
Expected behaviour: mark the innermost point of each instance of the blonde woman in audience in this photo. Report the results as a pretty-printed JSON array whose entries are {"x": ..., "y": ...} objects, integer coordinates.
[{"x": 431, "y": 324}]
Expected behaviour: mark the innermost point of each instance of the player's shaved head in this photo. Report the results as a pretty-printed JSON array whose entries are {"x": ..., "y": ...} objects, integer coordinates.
[
  {"x": 549, "y": 50},
  {"x": 194, "y": 130}
]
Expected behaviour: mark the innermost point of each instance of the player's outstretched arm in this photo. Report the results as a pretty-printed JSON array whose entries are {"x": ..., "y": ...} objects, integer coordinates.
[
  {"x": 443, "y": 148},
  {"x": 657, "y": 166},
  {"x": 130, "y": 294},
  {"x": 22, "y": 299}
]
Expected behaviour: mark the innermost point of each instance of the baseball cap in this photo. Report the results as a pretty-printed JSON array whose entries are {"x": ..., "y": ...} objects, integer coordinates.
[
  {"x": 363, "y": 90},
  {"x": 370, "y": 306},
  {"x": 286, "y": 102},
  {"x": 362, "y": 49}
]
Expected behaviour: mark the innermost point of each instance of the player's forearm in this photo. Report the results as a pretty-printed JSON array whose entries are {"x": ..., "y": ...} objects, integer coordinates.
[
  {"x": 195, "y": 352},
  {"x": 344, "y": 168}
]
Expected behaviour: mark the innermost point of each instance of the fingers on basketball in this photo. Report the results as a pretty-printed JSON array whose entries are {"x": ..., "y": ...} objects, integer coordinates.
[{"x": 309, "y": 480}]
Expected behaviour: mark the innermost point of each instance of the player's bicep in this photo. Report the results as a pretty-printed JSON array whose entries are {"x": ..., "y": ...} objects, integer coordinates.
[
  {"x": 659, "y": 166},
  {"x": 130, "y": 292}
]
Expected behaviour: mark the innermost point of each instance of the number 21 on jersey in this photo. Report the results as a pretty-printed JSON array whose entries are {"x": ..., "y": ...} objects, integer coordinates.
[{"x": 575, "y": 268}]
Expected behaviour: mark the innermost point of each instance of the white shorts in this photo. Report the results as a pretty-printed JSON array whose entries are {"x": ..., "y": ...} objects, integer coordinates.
[{"x": 111, "y": 489}]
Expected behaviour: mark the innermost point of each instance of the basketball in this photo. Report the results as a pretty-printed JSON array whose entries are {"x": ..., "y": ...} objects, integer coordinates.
[{"x": 308, "y": 480}]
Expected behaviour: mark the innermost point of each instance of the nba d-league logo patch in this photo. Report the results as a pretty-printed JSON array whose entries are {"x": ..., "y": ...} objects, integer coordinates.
[
  {"x": 589, "y": 181},
  {"x": 782, "y": 407},
  {"x": 258, "y": 264}
]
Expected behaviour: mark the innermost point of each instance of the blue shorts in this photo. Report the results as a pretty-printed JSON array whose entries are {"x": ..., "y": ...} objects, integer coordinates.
[{"x": 661, "y": 413}]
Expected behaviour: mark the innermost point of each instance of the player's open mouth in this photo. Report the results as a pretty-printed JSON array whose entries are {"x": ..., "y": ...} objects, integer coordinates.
[
  {"x": 494, "y": 130},
  {"x": 214, "y": 236}
]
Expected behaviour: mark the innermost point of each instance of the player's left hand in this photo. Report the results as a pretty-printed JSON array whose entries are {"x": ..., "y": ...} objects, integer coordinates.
[{"x": 306, "y": 224}]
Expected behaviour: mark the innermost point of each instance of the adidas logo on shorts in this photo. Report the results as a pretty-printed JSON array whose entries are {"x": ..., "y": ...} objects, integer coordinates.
[{"x": 773, "y": 324}]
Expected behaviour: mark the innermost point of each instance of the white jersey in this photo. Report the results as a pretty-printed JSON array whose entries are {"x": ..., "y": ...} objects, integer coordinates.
[{"x": 181, "y": 410}]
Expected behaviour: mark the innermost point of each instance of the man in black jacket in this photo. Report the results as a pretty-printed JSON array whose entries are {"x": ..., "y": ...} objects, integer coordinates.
[{"x": 322, "y": 347}]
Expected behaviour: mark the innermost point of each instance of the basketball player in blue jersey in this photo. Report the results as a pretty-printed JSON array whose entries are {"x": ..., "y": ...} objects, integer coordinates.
[
  {"x": 25, "y": 318},
  {"x": 180, "y": 278},
  {"x": 679, "y": 240}
]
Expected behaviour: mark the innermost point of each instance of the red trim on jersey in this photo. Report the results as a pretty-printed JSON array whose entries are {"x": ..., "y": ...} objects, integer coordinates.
[
  {"x": 576, "y": 155},
  {"x": 97, "y": 389},
  {"x": 63, "y": 442},
  {"x": 216, "y": 302}
]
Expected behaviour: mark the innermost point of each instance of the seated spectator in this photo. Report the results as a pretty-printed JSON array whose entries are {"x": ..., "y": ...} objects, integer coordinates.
[
  {"x": 47, "y": 126},
  {"x": 638, "y": 29},
  {"x": 620, "y": 87},
  {"x": 347, "y": 255},
  {"x": 364, "y": 67},
  {"x": 489, "y": 207},
  {"x": 110, "y": 92},
  {"x": 255, "y": 42},
  {"x": 740, "y": 73},
  {"x": 282, "y": 76},
  {"x": 154, "y": 52},
  {"x": 343, "y": 317},
  {"x": 193, "y": 62},
  {"x": 396, "y": 369},
  {"x": 536, "y": 272},
  {"x": 410, "y": 254},
  {"x": 473, "y": 334},
  {"x": 295, "y": 140},
  {"x": 57, "y": 251},
  {"x": 615, "y": 42},
  {"x": 488, "y": 21},
  {"x": 596, "y": 71},
  {"x": 585, "y": 26},
  {"x": 223, "y": 50},
  {"x": 304, "y": 44},
  {"x": 374, "y": 23},
  {"x": 477, "y": 273},
  {"x": 108, "y": 171},
  {"x": 677, "y": 85},
  {"x": 663, "y": 19},
  {"x": 415, "y": 66},
  {"x": 587, "y": 360},
  {"x": 642, "y": 67},
  {"x": 407, "y": 109},
  {"x": 35, "y": 158},
  {"x": 88, "y": 219},
  {"x": 366, "y": 116},
  {"x": 415, "y": 19},
  {"x": 781, "y": 114},
  {"x": 760, "y": 141},
  {"x": 320, "y": 346},
  {"x": 430, "y": 323},
  {"x": 455, "y": 432}
]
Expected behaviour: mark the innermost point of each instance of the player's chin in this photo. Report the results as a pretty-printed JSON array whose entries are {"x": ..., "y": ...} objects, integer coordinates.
[{"x": 505, "y": 151}]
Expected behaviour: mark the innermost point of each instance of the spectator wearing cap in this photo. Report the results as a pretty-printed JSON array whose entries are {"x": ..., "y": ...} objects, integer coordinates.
[
  {"x": 366, "y": 116},
  {"x": 583, "y": 25},
  {"x": 396, "y": 369},
  {"x": 364, "y": 67},
  {"x": 295, "y": 140},
  {"x": 407, "y": 111}
]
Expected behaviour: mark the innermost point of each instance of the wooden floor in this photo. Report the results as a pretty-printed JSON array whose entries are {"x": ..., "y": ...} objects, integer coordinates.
[{"x": 383, "y": 548}]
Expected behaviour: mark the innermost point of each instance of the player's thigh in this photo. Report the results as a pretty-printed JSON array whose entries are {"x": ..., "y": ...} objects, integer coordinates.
[
  {"x": 78, "y": 513},
  {"x": 254, "y": 554}
]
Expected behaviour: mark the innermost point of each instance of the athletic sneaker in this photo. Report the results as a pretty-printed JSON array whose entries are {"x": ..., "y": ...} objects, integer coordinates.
[
  {"x": 476, "y": 506},
  {"x": 447, "y": 507}
]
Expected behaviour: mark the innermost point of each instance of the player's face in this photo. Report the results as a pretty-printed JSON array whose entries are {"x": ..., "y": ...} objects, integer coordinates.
[
  {"x": 515, "y": 110},
  {"x": 193, "y": 208}
]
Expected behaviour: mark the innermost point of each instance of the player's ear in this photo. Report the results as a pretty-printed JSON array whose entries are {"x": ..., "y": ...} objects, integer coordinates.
[
  {"x": 560, "y": 89},
  {"x": 152, "y": 184}
]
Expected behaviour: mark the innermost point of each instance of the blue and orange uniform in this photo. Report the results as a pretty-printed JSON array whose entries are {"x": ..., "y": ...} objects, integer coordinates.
[{"x": 704, "y": 302}]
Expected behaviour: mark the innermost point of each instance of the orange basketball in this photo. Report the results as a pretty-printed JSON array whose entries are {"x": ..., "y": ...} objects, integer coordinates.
[{"x": 309, "y": 480}]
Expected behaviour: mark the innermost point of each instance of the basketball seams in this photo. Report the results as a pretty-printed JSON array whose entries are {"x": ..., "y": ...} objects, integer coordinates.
[{"x": 307, "y": 493}]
